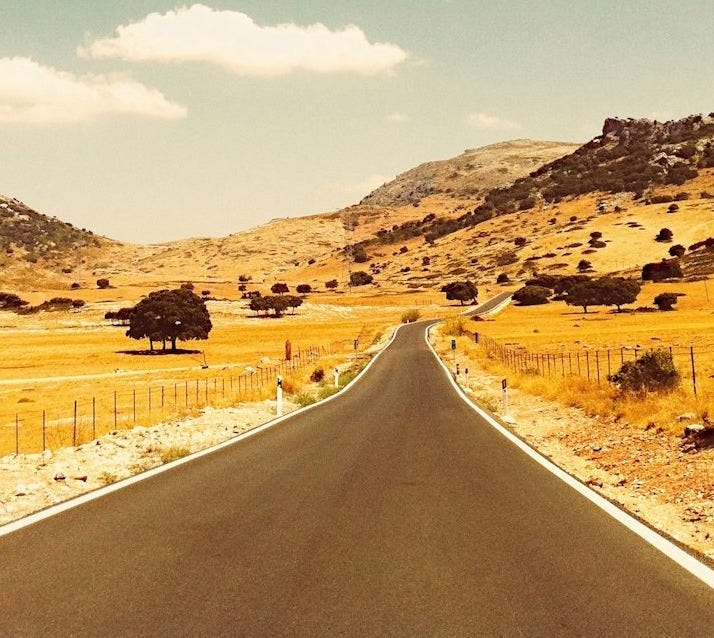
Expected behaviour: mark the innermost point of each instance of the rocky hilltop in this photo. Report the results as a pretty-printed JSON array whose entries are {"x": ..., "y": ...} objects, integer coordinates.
[{"x": 468, "y": 175}]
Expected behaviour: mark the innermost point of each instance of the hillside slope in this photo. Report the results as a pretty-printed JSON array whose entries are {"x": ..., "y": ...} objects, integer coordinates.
[{"x": 470, "y": 174}]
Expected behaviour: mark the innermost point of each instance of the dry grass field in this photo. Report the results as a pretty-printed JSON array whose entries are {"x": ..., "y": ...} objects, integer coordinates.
[
  {"x": 566, "y": 333},
  {"x": 52, "y": 360}
]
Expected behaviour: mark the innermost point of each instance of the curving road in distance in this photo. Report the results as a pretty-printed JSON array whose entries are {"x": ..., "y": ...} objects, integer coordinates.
[{"x": 392, "y": 510}]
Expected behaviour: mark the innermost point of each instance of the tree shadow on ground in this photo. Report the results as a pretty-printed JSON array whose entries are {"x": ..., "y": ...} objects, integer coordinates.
[{"x": 158, "y": 352}]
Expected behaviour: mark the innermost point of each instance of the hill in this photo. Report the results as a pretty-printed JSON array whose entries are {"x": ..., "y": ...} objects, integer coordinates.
[
  {"x": 47, "y": 251},
  {"x": 510, "y": 209},
  {"x": 469, "y": 175}
]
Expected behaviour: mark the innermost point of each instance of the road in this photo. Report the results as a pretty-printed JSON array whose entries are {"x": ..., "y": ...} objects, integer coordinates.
[{"x": 392, "y": 510}]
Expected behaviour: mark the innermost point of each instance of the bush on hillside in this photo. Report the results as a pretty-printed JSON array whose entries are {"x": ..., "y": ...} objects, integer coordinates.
[
  {"x": 665, "y": 300},
  {"x": 666, "y": 269},
  {"x": 531, "y": 295}
]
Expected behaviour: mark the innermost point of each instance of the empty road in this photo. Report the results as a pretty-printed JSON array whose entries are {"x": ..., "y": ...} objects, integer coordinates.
[{"x": 393, "y": 510}]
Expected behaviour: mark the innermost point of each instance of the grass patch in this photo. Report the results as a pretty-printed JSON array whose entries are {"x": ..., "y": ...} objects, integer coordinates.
[{"x": 173, "y": 453}]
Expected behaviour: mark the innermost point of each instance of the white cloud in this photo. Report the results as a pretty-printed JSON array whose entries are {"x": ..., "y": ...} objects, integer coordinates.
[
  {"x": 490, "y": 122},
  {"x": 35, "y": 94},
  {"x": 233, "y": 40},
  {"x": 398, "y": 117}
]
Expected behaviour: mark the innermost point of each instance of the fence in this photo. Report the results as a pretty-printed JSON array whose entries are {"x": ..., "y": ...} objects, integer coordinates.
[
  {"x": 595, "y": 365},
  {"x": 83, "y": 420}
]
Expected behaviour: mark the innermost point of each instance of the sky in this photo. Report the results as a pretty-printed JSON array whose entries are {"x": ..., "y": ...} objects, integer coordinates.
[{"x": 151, "y": 120}]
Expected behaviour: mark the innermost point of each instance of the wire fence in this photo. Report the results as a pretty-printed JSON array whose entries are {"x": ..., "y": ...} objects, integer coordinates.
[
  {"x": 596, "y": 366},
  {"x": 79, "y": 421}
]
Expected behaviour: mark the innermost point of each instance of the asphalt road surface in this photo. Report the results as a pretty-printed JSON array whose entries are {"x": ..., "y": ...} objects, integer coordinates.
[{"x": 393, "y": 510}]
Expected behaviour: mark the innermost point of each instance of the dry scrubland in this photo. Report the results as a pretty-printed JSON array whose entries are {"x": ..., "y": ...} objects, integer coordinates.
[
  {"x": 554, "y": 328},
  {"x": 52, "y": 360}
]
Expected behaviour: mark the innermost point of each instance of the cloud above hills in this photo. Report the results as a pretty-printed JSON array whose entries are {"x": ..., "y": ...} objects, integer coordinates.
[
  {"x": 31, "y": 93},
  {"x": 232, "y": 40},
  {"x": 484, "y": 121}
]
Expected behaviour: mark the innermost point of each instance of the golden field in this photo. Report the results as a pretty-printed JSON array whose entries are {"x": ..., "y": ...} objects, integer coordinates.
[
  {"x": 559, "y": 334},
  {"x": 52, "y": 360}
]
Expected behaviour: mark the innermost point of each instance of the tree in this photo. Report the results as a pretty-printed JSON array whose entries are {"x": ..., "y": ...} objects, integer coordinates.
[
  {"x": 665, "y": 300},
  {"x": 583, "y": 294},
  {"x": 331, "y": 285},
  {"x": 304, "y": 289},
  {"x": 616, "y": 291},
  {"x": 293, "y": 302},
  {"x": 259, "y": 304},
  {"x": 278, "y": 304},
  {"x": 531, "y": 295},
  {"x": 584, "y": 265},
  {"x": 279, "y": 288},
  {"x": 460, "y": 291},
  {"x": 102, "y": 284},
  {"x": 10, "y": 301},
  {"x": 360, "y": 278},
  {"x": 170, "y": 315}
]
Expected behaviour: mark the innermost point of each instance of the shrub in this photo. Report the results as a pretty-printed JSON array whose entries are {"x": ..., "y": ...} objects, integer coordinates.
[
  {"x": 520, "y": 241},
  {"x": 665, "y": 300},
  {"x": 672, "y": 208},
  {"x": 596, "y": 234},
  {"x": 102, "y": 284},
  {"x": 174, "y": 453},
  {"x": 360, "y": 278},
  {"x": 74, "y": 286},
  {"x": 359, "y": 254},
  {"x": 502, "y": 278},
  {"x": 653, "y": 371},
  {"x": 331, "y": 285},
  {"x": 666, "y": 269},
  {"x": 665, "y": 234},
  {"x": 584, "y": 265},
  {"x": 411, "y": 316},
  {"x": 677, "y": 251},
  {"x": 318, "y": 374},
  {"x": 453, "y": 327},
  {"x": 426, "y": 261},
  {"x": 10, "y": 301},
  {"x": 244, "y": 278},
  {"x": 506, "y": 258},
  {"x": 531, "y": 295}
]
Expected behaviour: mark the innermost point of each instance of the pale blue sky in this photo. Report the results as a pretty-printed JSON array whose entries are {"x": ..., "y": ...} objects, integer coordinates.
[{"x": 156, "y": 132}]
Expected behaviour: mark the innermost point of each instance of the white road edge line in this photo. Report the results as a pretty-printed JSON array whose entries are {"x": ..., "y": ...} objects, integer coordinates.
[
  {"x": 53, "y": 510},
  {"x": 667, "y": 547}
]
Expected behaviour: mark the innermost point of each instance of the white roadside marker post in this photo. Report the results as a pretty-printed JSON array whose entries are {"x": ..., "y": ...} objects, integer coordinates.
[
  {"x": 506, "y": 414},
  {"x": 453, "y": 349},
  {"x": 337, "y": 378},
  {"x": 279, "y": 408}
]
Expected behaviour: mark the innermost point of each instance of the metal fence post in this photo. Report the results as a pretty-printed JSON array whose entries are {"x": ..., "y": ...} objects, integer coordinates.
[{"x": 694, "y": 371}]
